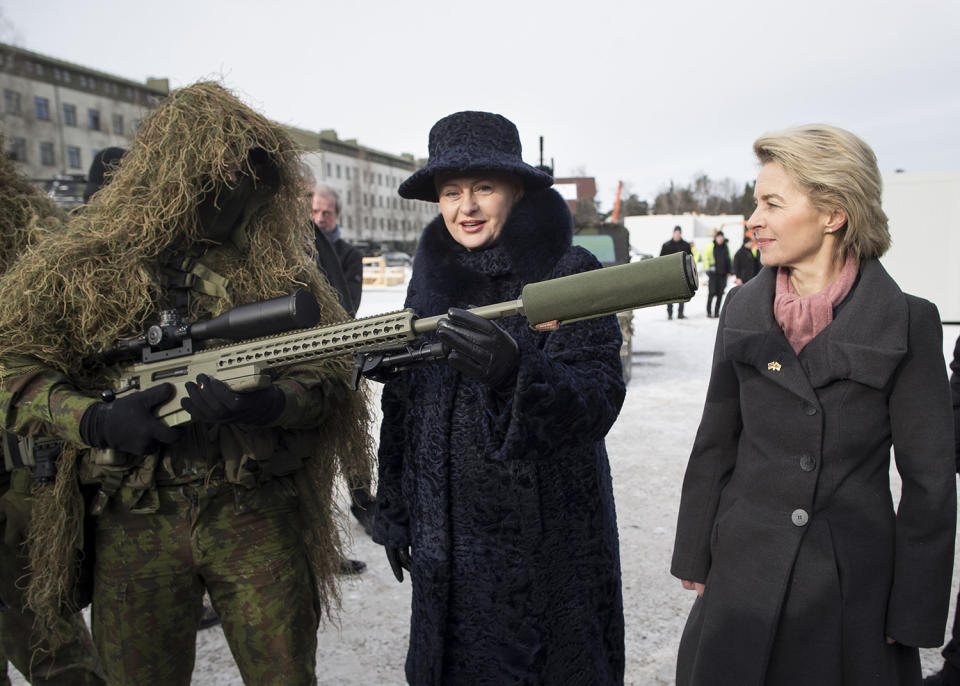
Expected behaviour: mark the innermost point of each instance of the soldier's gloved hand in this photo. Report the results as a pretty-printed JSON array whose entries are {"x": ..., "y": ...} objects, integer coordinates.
[
  {"x": 399, "y": 559},
  {"x": 128, "y": 423},
  {"x": 211, "y": 401},
  {"x": 479, "y": 347}
]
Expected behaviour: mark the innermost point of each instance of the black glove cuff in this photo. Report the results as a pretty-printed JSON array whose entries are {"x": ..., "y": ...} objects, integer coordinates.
[
  {"x": 271, "y": 406},
  {"x": 92, "y": 425}
]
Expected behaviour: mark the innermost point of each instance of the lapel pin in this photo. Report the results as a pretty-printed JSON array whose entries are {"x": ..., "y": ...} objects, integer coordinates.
[{"x": 773, "y": 366}]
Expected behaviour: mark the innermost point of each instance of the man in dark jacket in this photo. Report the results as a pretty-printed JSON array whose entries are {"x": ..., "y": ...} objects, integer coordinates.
[
  {"x": 949, "y": 675},
  {"x": 746, "y": 262},
  {"x": 675, "y": 245},
  {"x": 716, "y": 259},
  {"x": 326, "y": 217}
]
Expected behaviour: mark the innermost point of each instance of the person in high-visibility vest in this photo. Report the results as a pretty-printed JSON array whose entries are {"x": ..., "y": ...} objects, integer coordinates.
[{"x": 716, "y": 260}]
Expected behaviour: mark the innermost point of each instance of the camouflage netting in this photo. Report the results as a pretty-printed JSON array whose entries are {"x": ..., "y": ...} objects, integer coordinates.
[{"x": 100, "y": 280}]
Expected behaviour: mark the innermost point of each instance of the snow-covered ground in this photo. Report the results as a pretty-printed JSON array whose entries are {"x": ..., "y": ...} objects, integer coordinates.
[{"x": 648, "y": 448}]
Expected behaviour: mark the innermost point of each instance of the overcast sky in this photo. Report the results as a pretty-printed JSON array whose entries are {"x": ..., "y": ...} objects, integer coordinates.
[{"x": 636, "y": 91}]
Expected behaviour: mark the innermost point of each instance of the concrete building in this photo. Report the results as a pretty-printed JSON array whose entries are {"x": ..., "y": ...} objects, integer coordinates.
[
  {"x": 57, "y": 115},
  {"x": 372, "y": 214}
]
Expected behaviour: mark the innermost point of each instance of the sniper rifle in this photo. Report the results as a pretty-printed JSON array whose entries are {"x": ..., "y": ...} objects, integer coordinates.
[{"x": 272, "y": 334}]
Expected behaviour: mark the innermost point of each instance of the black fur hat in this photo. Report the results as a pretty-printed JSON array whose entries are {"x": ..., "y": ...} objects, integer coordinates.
[{"x": 472, "y": 142}]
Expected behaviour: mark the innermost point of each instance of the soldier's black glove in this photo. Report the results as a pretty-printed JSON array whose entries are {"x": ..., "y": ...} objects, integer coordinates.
[
  {"x": 479, "y": 347},
  {"x": 211, "y": 401},
  {"x": 128, "y": 424},
  {"x": 399, "y": 559}
]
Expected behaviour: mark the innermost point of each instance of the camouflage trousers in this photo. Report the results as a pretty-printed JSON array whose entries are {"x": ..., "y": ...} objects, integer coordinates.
[
  {"x": 244, "y": 547},
  {"x": 75, "y": 662}
]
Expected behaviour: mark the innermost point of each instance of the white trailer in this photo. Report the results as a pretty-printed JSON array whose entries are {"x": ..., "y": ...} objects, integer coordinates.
[{"x": 924, "y": 258}]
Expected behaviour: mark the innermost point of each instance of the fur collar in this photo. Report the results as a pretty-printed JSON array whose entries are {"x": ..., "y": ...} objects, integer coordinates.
[{"x": 538, "y": 231}]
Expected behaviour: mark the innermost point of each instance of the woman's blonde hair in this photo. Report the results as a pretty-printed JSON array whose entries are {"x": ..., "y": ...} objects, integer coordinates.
[{"x": 837, "y": 170}]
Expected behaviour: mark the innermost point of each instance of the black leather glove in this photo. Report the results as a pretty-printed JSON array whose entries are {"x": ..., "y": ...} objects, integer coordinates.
[
  {"x": 479, "y": 347},
  {"x": 399, "y": 559},
  {"x": 128, "y": 424},
  {"x": 211, "y": 401}
]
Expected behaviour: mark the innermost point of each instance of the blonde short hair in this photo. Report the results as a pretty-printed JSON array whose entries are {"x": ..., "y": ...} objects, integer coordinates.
[{"x": 836, "y": 170}]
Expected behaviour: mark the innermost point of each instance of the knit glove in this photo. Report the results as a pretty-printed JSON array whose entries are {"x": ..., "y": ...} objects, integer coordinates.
[
  {"x": 479, "y": 347},
  {"x": 213, "y": 402},
  {"x": 128, "y": 423}
]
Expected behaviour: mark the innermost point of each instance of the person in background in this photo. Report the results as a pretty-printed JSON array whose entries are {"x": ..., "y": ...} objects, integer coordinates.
[
  {"x": 804, "y": 571},
  {"x": 495, "y": 490},
  {"x": 104, "y": 163},
  {"x": 716, "y": 261},
  {"x": 675, "y": 245},
  {"x": 326, "y": 217},
  {"x": 746, "y": 261},
  {"x": 949, "y": 674}
]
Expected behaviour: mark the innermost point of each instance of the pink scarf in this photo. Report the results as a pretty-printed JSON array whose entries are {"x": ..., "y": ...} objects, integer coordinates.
[{"x": 803, "y": 318}]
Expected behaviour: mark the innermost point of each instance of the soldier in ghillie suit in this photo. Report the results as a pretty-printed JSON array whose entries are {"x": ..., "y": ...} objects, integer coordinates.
[
  {"x": 25, "y": 216},
  {"x": 204, "y": 214}
]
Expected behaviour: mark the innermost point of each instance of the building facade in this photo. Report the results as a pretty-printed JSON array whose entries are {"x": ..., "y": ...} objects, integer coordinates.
[
  {"x": 56, "y": 115},
  {"x": 372, "y": 215}
]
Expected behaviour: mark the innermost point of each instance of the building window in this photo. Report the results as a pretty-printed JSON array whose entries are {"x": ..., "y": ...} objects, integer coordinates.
[
  {"x": 66, "y": 76},
  {"x": 17, "y": 149},
  {"x": 11, "y": 102},
  {"x": 381, "y": 223},
  {"x": 118, "y": 124},
  {"x": 73, "y": 157},
  {"x": 42, "y": 107},
  {"x": 348, "y": 193},
  {"x": 93, "y": 119},
  {"x": 46, "y": 154},
  {"x": 380, "y": 180},
  {"x": 347, "y": 170},
  {"x": 38, "y": 68},
  {"x": 69, "y": 114},
  {"x": 338, "y": 171},
  {"x": 329, "y": 170}
]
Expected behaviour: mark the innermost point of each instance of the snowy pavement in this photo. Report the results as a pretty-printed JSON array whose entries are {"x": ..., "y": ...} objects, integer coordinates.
[{"x": 648, "y": 448}]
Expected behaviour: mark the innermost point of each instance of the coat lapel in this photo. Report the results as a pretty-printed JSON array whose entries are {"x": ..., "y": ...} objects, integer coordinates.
[
  {"x": 865, "y": 343},
  {"x": 867, "y": 340},
  {"x": 752, "y": 336}
]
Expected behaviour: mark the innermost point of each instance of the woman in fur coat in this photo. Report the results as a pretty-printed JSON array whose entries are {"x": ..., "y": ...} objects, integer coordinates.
[
  {"x": 805, "y": 572},
  {"x": 495, "y": 490}
]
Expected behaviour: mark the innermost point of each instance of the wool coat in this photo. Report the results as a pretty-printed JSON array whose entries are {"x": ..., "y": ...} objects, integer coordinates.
[
  {"x": 786, "y": 511},
  {"x": 505, "y": 497}
]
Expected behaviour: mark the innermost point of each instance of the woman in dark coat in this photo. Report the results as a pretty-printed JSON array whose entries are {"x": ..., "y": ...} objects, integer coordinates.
[
  {"x": 805, "y": 571},
  {"x": 495, "y": 488}
]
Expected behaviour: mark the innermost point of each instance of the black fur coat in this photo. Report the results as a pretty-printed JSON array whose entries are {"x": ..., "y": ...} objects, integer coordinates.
[{"x": 506, "y": 500}]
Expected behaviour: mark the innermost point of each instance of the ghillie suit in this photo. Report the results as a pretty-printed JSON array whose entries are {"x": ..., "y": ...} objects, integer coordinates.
[
  {"x": 25, "y": 216},
  {"x": 110, "y": 275}
]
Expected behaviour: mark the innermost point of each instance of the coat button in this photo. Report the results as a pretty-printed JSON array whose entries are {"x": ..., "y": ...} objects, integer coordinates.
[
  {"x": 799, "y": 517},
  {"x": 809, "y": 410},
  {"x": 807, "y": 463}
]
